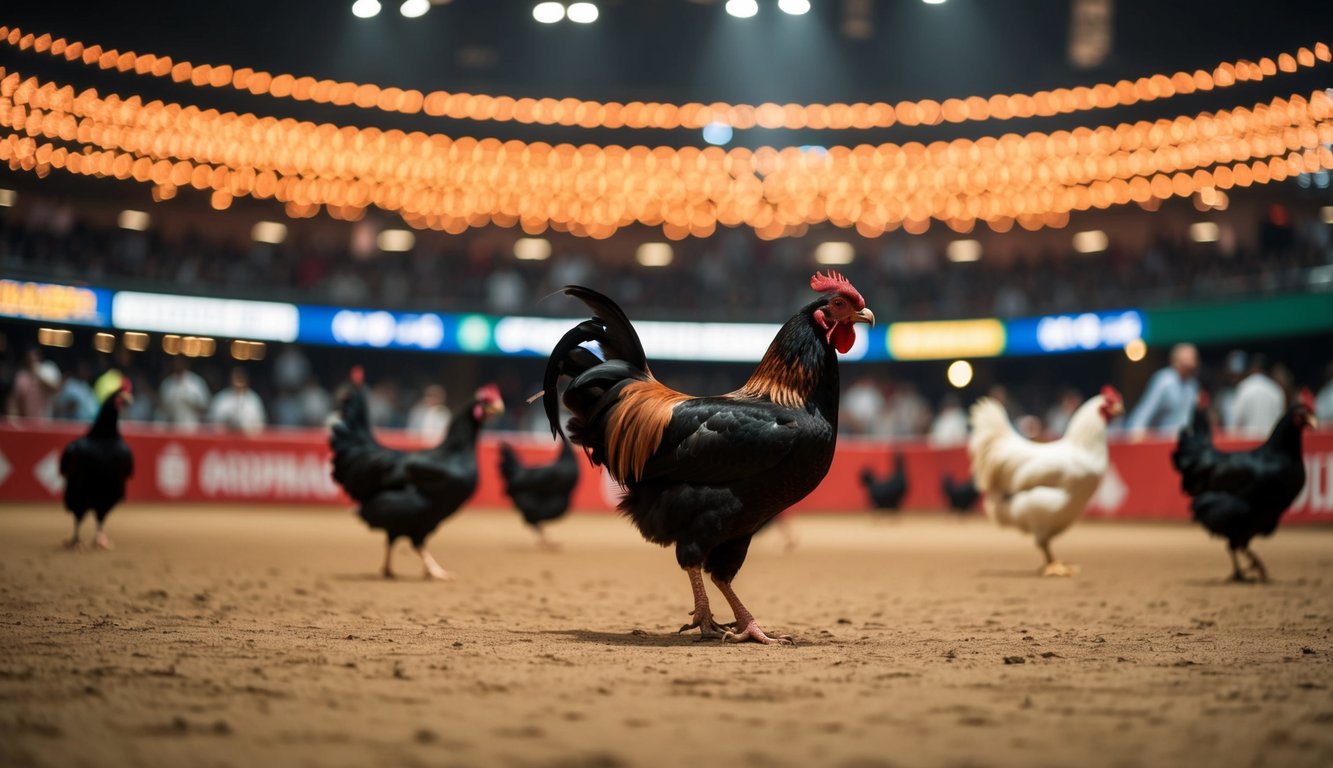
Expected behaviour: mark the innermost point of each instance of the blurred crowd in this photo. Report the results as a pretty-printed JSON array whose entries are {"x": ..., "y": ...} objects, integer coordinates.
[
  {"x": 289, "y": 389},
  {"x": 908, "y": 276}
]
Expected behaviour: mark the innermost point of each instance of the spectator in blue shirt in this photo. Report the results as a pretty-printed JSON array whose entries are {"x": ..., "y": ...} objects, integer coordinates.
[{"x": 1169, "y": 400}]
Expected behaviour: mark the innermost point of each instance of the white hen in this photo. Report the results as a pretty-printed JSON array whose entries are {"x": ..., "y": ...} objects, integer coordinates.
[{"x": 1040, "y": 488}]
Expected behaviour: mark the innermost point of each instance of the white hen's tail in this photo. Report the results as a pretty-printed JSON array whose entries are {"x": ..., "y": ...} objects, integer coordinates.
[{"x": 990, "y": 427}]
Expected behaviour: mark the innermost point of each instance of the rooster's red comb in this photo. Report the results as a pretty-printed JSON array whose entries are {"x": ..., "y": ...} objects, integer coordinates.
[
  {"x": 1111, "y": 395},
  {"x": 834, "y": 281},
  {"x": 1306, "y": 398},
  {"x": 357, "y": 375}
]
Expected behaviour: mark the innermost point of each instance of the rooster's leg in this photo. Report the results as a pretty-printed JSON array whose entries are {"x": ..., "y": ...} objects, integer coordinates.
[
  {"x": 1256, "y": 565},
  {"x": 100, "y": 540},
  {"x": 544, "y": 541},
  {"x": 387, "y": 570},
  {"x": 433, "y": 569},
  {"x": 703, "y": 615},
  {"x": 73, "y": 542},
  {"x": 1054, "y": 567},
  {"x": 746, "y": 628},
  {"x": 1236, "y": 573}
]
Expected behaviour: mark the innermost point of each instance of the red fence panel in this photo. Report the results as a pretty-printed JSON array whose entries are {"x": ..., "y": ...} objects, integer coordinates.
[{"x": 282, "y": 466}]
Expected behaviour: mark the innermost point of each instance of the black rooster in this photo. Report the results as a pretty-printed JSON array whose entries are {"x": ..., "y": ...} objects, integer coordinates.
[
  {"x": 887, "y": 494},
  {"x": 96, "y": 468},
  {"x": 706, "y": 473},
  {"x": 962, "y": 495},
  {"x": 1242, "y": 495},
  {"x": 541, "y": 493},
  {"x": 408, "y": 494}
]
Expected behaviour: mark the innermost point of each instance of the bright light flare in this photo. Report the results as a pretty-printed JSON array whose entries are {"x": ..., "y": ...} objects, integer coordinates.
[
  {"x": 963, "y": 251},
  {"x": 654, "y": 254},
  {"x": 794, "y": 7},
  {"x": 395, "y": 240},
  {"x": 582, "y": 13},
  {"x": 717, "y": 133},
  {"x": 1204, "y": 232},
  {"x": 532, "y": 249},
  {"x": 548, "y": 13},
  {"x": 834, "y": 253},
  {"x": 414, "y": 9},
  {"x": 960, "y": 373},
  {"x": 1136, "y": 350},
  {"x": 1090, "y": 241},
  {"x": 8, "y": 197},
  {"x": 270, "y": 232},
  {"x": 742, "y": 9},
  {"x": 135, "y": 220},
  {"x": 366, "y": 9}
]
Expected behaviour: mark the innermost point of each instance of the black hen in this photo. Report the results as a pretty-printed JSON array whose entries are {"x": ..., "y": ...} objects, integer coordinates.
[
  {"x": 408, "y": 494},
  {"x": 705, "y": 473},
  {"x": 541, "y": 493},
  {"x": 96, "y": 468},
  {"x": 887, "y": 494},
  {"x": 962, "y": 496},
  {"x": 1242, "y": 495}
]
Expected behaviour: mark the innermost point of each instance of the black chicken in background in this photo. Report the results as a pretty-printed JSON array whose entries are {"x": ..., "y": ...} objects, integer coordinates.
[
  {"x": 96, "y": 468},
  {"x": 408, "y": 494},
  {"x": 962, "y": 495},
  {"x": 1243, "y": 494},
  {"x": 887, "y": 494},
  {"x": 541, "y": 493}
]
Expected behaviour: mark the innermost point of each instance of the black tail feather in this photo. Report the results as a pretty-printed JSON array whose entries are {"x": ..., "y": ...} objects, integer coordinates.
[{"x": 610, "y": 328}]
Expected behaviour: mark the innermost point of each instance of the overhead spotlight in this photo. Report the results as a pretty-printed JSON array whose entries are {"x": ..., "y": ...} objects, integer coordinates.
[
  {"x": 794, "y": 7},
  {"x": 717, "y": 133},
  {"x": 742, "y": 9},
  {"x": 8, "y": 197},
  {"x": 933, "y": 2},
  {"x": 582, "y": 13},
  {"x": 1326, "y": 214},
  {"x": 548, "y": 13},
  {"x": 365, "y": 9},
  {"x": 414, "y": 9}
]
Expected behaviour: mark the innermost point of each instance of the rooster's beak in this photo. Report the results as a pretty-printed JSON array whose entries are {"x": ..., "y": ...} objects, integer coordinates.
[
  {"x": 126, "y": 398},
  {"x": 864, "y": 316},
  {"x": 494, "y": 408},
  {"x": 1312, "y": 421}
]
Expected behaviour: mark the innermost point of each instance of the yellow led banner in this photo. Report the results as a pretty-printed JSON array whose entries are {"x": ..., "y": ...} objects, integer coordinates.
[{"x": 945, "y": 339}]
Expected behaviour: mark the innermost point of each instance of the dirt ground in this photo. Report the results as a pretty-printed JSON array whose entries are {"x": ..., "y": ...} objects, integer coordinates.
[{"x": 243, "y": 637}]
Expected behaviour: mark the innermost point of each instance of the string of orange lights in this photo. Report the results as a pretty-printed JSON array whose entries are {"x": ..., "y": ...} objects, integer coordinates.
[
  {"x": 637, "y": 115},
  {"x": 159, "y": 130}
]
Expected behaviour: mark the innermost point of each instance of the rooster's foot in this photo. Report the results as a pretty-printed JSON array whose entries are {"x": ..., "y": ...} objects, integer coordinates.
[
  {"x": 73, "y": 545},
  {"x": 753, "y": 633},
  {"x": 1058, "y": 568},
  {"x": 438, "y": 574},
  {"x": 102, "y": 542},
  {"x": 709, "y": 628}
]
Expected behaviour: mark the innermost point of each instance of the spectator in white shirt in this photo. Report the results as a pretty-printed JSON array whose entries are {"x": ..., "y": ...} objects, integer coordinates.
[
  {"x": 428, "y": 419},
  {"x": 950, "y": 425},
  {"x": 1323, "y": 403},
  {"x": 1259, "y": 402},
  {"x": 238, "y": 407},
  {"x": 183, "y": 397}
]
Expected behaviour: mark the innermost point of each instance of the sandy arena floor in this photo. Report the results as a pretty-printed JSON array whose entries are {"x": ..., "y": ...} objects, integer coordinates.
[{"x": 227, "y": 637}]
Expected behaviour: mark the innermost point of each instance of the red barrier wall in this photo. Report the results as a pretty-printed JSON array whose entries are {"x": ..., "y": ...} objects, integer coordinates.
[{"x": 293, "y": 467}]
